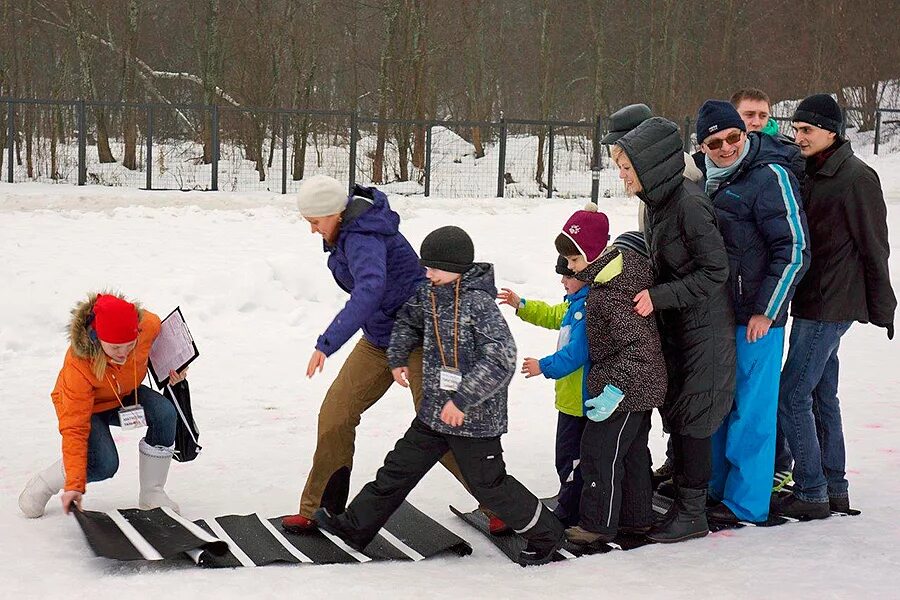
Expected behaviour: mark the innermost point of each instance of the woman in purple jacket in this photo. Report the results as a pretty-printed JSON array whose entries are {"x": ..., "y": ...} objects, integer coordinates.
[{"x": 372, "y": 261}]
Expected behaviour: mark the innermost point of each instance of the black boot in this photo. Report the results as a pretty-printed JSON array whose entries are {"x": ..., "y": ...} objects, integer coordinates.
[
  {"x": 796, "y": 508},
  {"x": 336, "y": 525},
  {"x": 544, "y": 539},
  {"x": 720, "y": 513},
  {"x": 663, "y": 473},
  {"x": 689, "y": 520},
  {"x": 839, "y": 504}
]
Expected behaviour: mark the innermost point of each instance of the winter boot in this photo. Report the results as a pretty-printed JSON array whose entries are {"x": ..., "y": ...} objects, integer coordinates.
[
  {"x": 297, "y": 523},
  {"x": 544, "y": 539},
  {"x": 720, "y": 513},
  {"x": 795, "y": 508},
  {"x": 153, "y": 469},
  {"x": 582, "y": 537},
  {"x": 495, "y": 524},
  {"x": 839, "y": 504},
  {"x": 663, "y": 473},
  {"x": 335, "y": 525},
  {"x": 689, "y": 520},
  {"x": 40, "y": 488}
]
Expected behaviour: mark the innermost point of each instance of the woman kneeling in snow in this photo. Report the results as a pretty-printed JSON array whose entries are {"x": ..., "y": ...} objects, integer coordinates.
[{"x": 99, "y": 386}]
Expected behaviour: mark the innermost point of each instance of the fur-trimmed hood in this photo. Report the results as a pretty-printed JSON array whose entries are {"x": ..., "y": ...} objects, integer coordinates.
[{"x": 80, "y": 329}]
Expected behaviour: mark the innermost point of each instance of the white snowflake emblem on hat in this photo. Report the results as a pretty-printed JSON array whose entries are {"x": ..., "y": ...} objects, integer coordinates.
[{"x": 574, "y": 229}]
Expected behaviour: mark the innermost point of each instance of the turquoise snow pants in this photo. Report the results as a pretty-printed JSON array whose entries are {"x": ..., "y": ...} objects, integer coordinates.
[{"x": 743, "y": 449}]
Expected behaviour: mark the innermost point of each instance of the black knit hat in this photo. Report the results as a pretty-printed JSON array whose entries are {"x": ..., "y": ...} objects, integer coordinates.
[
  {"x": 632, "y": 240},
  {"x": 562, "y": 267},
  {"x": 448, "y": 249},
  {"x": 820, "y": 110},
  {"x": 716, "y": 116},
  {"x": 624, "y": 120}
]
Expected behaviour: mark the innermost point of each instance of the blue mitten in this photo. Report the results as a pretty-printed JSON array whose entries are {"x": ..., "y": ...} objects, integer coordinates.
[{"x": 602, "y": 406}]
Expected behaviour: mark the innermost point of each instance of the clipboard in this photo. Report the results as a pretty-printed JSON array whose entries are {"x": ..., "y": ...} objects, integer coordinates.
[{"x": 174, "y": 348}]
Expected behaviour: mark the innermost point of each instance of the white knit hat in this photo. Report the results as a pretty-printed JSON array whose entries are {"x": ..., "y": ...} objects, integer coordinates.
[{"x": 320, "y": 196}]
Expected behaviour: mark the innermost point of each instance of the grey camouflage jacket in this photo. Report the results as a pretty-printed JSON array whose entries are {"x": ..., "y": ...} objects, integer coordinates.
[{"x": 486, "y": 351}]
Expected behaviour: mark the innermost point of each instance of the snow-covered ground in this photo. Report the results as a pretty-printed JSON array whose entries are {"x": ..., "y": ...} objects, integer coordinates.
[{"x": 253, "y": 285}]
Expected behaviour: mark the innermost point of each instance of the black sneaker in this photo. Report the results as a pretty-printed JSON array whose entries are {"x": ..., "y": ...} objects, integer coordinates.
[
  {"x": 532, "y": 555},
  {"x": 839, "y": 504},
  {"x": 796, "y": 508}
]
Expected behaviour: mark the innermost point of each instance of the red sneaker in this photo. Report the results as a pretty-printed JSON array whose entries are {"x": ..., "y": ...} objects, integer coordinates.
[
  {"x": 496, "y": 525},
  {"x": 297, "y": 524}
]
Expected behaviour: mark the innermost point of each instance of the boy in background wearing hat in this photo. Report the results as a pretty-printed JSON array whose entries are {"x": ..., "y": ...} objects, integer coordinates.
[
  {"x": 626, "y": 380},
  {"x": 758, "y": 211},
  {"x": 848, "y": 280},
  {"x": 567, "y": 367},
  {"x": 469, "y": 357}
]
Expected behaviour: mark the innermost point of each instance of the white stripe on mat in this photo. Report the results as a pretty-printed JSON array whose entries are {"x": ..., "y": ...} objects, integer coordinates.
[
  {"x": 345, "y": 547},
  {"x": 400, "y": 545},
  {"x": 139, "y": 542},
  {"x": 195, "y": 530},
  {"x": 232, "y": 546},
  {"x": 566, "y": 553},
  {"x": 284, "y": 542}
]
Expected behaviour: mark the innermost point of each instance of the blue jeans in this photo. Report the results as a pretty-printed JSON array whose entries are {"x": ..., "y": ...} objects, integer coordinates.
[
  {"x": 809, "y": 411},
  {"x": 743, "y": 449},
  {"x": 102, "y": 458}
]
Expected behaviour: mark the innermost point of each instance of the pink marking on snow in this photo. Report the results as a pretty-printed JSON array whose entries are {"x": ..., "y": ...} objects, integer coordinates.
[
  {"x": 723, "y": 533},
  {"x": 853, "y": 471},
  {"x": 873, "y": 426},
  {"x": 889, "y": 450}
]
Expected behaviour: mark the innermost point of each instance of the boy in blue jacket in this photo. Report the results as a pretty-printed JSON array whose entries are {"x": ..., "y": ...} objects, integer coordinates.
[{"x": 567, "y": 367}]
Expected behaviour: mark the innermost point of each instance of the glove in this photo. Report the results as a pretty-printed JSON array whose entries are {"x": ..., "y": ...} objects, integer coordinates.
[
  {"x": 602, "y": 406},
  {"x": 889, "y": 327}
]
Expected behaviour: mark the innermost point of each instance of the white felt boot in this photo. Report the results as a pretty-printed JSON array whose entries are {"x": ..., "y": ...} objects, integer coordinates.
[
  {"x": 153, "y": 470},
  {"x": 40, "y": 488}
]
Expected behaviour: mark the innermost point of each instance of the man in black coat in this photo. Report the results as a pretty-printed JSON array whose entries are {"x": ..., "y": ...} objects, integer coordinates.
[
  {"x": 693, "y": 306},
  {"x": 848, "y": 281}
]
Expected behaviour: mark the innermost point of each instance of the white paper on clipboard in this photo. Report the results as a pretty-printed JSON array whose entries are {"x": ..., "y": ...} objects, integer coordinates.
[{"x": 174, "y": 347}]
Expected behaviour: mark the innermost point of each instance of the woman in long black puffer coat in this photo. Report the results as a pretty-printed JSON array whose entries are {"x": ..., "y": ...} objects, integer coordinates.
[{"x": 693, "y": 307}]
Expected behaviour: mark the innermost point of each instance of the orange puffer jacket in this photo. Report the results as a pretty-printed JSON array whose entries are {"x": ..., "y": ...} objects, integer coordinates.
[{"x": 79, "y": 394}]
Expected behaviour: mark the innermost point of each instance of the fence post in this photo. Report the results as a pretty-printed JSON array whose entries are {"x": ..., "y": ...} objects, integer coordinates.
[
  {"x": 214, "y": 125},
  {"x": 877, "y": 129},
  {"x": 550, "y": 164},
  {"x": 501, "y": 170},
  {"x": 687, "y": 134},
  {"x": 843, "y": 121},
  {"x": 284, "y": 165},
  {"x": 596, "y": 162},
  {"x": 10, "y": 139},
  {"x": 428, "y": 160},
  {"x": 149, "y": 164},
  {"x": 82, "y": 143},
  {"x": 354, "y": 130}
]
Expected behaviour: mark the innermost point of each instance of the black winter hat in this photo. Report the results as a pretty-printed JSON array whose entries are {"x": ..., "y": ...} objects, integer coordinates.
[
  {"x": 820, "y": 110},
  {"x": 624, "y": 120},
  {"x": 716, "y": 116},
  {"x": 448, "y": 249},
  {"x": 632, "y": 240},
  {"x": 562, "y": 267}
]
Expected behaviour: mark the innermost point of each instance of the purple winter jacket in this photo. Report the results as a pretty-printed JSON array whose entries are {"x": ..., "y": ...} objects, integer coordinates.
[{"x": 373, "y": 262}]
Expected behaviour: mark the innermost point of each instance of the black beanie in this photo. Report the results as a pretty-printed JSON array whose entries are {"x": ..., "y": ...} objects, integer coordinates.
[
  {"x": 716, "y": 116},
  {"x": 562, "y": 267},
  {"x": 448, "y": 249},
  {"x": 820, "y": 110}
]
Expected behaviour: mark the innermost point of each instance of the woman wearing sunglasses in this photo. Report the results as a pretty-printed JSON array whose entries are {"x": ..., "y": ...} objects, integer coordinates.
[
  {"x": 693, "y": 307},
  {"x": 100, "y": 385}
]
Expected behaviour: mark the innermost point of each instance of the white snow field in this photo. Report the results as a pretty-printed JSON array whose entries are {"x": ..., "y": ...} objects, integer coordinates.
[{"x": 252, "y": 283}]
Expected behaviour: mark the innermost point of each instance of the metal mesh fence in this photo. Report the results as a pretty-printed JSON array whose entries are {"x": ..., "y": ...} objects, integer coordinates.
[
  {"x": 182, "y": 148},
  {"x": 46, "y": 147}
]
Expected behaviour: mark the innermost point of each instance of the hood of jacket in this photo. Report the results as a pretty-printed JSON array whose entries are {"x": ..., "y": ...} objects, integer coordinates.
[
  {"x": 369, "y": 212},
  {"x": 79, "y": 325},
  {"x": 655, "y": 150}
]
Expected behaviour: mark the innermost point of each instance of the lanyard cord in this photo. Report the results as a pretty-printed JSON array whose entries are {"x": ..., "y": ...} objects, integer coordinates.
[
  {"x": 116, "y": 389},
  {"x": 437, "y": 332}
]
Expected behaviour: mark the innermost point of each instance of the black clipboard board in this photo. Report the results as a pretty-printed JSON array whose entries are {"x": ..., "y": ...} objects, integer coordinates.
[{"x": 161, "y": 382}]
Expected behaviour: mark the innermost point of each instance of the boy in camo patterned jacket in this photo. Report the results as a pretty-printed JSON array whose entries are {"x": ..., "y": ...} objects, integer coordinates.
[{"x": 469, "y": 357}]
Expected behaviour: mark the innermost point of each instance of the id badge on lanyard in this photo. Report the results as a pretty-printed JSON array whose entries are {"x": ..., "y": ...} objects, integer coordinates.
[
  {"x": 450, "y": 379},
  {"x": 132, "y": 417}
]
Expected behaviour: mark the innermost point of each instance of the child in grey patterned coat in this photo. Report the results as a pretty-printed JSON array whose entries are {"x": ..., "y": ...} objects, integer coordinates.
[{"x": 469, "y": 357}]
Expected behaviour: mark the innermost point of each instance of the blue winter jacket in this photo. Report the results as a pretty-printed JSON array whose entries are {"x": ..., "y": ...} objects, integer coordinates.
[
  {"x": 762, "y": 221},
  {"x": 373, "y": 262}
]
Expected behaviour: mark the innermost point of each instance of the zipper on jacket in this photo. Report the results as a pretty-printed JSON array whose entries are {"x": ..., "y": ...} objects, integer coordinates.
[{"x": 740, "y": 285}]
